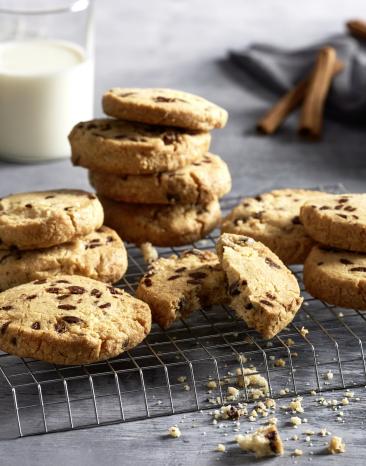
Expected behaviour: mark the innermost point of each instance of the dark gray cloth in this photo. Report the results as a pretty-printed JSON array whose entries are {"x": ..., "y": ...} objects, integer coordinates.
[{"x": 279, "y": 69}]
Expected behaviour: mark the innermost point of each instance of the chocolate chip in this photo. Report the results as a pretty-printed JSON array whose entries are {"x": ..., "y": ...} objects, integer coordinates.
[
  {"x": 36, "y": 326},
  {"x": 50, "y": 197},
  {"x": 249, "y": 306},
  {"x": 39, "y": 282},
  {"x": 342, "y": 215},
  {"x": 60, "y": 327},
  {"x": 258, "y": 198},
  {"x": 91, "y": 196},
  {"x": 244, "y": 282},
  {"x": 4, "y": 327},
  {"x": 62, "y": 281},
  {"x": 355, "y": 217},
  {"x": 181, "y": 269},
  {"x": 271, "y": 296},
  {"x": 13, "y": 341},
  {"x": 53, "y": 289},
  {"x": 173, "y": 277},
  {"x": 170, "y": 138},
  {"x": 238, "y": 220},
  {"x": 233, "y": 413},
  {"x": 72, "y": 319},
  {"x": 148, "y": 282},
  {"x": 266, "y": 303},
  {"x": 67, "y": 307},
  {"x": 30, "y": 297},
  {"x": 198, "y": 275},
  {"x": 320, "y": 263},
  {"x": 104, "y": 306},
  {"x": 234, "y": 289},
  {"x": 324, "y": 207},
  {"x": 6, "y": 308},
  {"x": 345, "y": 261},
  {"x": 271, "y": 263},
  {"x": 349, "y": 208},
  {"x": 338, "y": 207},
  {"x": 358, "y": 269},
  {"x": 63, "y": 296},
  {"x": 76, "y": 289},
  {"x": 342, "y": 200},
  {"x": 258, "y": 215},
  {"x": 109, "y": 239},
  {"x": 28, "y": 206},
  {"x": 165, "y": 100},
  {"x": 194, "y": 282},
  {"x": 296, "y": 220}
]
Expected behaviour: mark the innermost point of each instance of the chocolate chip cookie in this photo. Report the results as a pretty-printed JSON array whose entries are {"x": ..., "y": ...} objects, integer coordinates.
[
  {"x": 273, "y": 219},
  {"x": 198, "y": 183},
  {"x": 262, "y": 291},
  {"x": 336, "y": 276},
  {"x": 101, "y": 255},
  {"x": 70, "y": 320},
  {"x": 126, "y": 148},
  {"x": 164, "y": 107},
  {"x": 46, "y": 218},
  {"x": 170, "y": 225},
  {"x": 337, "y": 220},
  {"x": 174, "y": 287}
]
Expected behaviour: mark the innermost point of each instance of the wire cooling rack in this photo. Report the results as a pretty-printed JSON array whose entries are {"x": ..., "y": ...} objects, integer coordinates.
[{"x": 168, "y": 373}]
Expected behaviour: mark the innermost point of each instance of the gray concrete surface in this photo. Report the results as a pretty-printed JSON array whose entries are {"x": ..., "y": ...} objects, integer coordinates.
[{"x": 181, "y": 44}]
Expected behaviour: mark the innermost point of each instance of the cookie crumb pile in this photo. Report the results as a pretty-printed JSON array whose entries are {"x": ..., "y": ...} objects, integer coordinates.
[
  {"x": 150, "y": 164},
  {"x": 47, "y": 233}
]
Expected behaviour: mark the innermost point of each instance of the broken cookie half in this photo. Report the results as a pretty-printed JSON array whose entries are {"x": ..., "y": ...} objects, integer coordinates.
[{"x": 262, "y": 290}]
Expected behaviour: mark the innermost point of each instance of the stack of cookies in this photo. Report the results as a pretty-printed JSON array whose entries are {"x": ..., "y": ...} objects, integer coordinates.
[
  {"x": 151, "y": 167},
  {"x": 43, "y": 234}
]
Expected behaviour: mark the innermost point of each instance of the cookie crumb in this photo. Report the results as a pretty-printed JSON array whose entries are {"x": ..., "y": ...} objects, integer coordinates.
[
  {"x": 295, "y": 405},
  {"x": 174, "y": 432},
  {"x": 336, "y": 445},
  {"x": 295, "y": 421},
  {"x": 221, "y": 447},
  {"x": 297, "y": 452},
  {"x": 211, "y": 384},
  {"x": 329, "y": 375},
  {"x": 265, "y": 441},
  {"x": 182, "y": 379},
  {"x": 304, "y": 331},
  {"x": 149, "y": 252},
  {"x": 280, "y": 362}
]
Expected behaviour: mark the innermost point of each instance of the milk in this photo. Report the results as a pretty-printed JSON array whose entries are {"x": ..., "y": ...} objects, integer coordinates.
[{"x": 46, "y": 87}]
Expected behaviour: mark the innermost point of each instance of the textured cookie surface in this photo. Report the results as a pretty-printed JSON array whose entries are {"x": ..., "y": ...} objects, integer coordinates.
[
  {"x": 262, "y": 290},
  {"x": 337, "y": 220},
  {"x": 200, "y": 182},
  {"x": 122, "y": 147},
  {"x": 337, "y": 277},
  {"x": 174, "y": 287},
  {"x": 171, "y": 225},
  {"x": 273, "y": 219},
  {"x": 47, "y": 218},
  {"x": 164, "y": 107},
  {"x": 70, "y": 320},
  {"x": 101, "y": 255}
]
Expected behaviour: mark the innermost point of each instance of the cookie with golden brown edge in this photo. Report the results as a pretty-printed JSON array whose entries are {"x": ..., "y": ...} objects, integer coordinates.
[
  {"x": 337, "y": 220},
  {"x": 273, "y": 219},
  {"x": 70, "y": 320},
  {"x": 126, "y": 148},
  {"x": 47, "y": 218},
  {"x": 198, "y": 183},
  {"x": 262, "y": 290},
  {"x": 168, "y": 225},
  {"x": 164, "y": 107},
  {"x": 336, "y": 276},
  {"x": 101, "y": 255},
  {"x": 176, "y": 286}
]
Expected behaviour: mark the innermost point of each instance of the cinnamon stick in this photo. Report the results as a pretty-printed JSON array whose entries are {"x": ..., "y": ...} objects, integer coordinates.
[
  {"x": 311, "y": 117},
  {"x": 275, "y": 116},
  {"x": 357, "y": 28}
]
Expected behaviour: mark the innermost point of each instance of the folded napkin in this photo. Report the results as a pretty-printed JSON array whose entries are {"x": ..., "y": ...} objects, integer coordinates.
[{"x": 279, "y": 70}]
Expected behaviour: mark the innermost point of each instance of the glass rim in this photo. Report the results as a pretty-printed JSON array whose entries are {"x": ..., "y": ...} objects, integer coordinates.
[{"x": 74, "y": 7}]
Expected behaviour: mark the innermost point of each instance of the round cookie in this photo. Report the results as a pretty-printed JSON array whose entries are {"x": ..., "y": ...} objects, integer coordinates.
[
  {"x": 199, "y": 183},
  {"x": 172, "y": 225},
  {"x": 337, "y": 220},
  {"x": 337, "y": 277},
  {"x": 127, "y": 148},
  {"x": 273, "y": 219},
  {"x": 164, "y": 107},
  {"x": 262, "y": 290},
  {"x": 101, "y": 255},
  {"x": 176, "y": 286},
  {"x": 70, "y": 320},
  {"x": 46, "y": 218}
]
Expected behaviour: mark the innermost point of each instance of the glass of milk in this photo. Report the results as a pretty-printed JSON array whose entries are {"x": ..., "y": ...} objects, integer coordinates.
[{"x": 46, "y": 76}]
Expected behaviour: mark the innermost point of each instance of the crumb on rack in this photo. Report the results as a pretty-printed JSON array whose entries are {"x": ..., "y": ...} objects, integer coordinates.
[
  {"x": 304, "y": 331},
  {"x": 182, "y": 379},
  {"x": 211, "y": 384},
  {"x": 280, "y": 362},
  {"x": 149, "y": 252}
]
